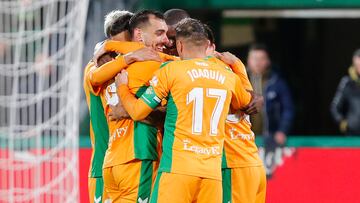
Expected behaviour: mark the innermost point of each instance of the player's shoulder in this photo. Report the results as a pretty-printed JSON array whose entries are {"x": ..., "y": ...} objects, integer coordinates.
[
  {"x": 89, "y": 66},
  {"x": 219, "y": 63}
]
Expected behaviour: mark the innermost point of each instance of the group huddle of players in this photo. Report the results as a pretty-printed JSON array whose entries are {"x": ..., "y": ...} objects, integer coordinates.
[{"x": 169, "y": 115}]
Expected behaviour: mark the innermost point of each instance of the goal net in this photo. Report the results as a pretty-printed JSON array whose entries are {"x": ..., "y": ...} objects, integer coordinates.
[{"x": 41, "y": 44}]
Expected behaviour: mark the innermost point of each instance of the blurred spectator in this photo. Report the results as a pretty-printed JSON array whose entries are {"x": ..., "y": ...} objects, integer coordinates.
[
  {"x": 345, "y": 107},
  {"x": 275, "y": 120}
]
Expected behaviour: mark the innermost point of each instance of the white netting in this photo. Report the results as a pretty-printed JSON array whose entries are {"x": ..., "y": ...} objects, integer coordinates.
[{"x": 41, "y": 44}]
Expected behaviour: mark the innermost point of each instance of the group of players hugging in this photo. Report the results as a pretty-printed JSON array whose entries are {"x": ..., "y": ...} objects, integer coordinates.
[{"x": 169, "y": 115}]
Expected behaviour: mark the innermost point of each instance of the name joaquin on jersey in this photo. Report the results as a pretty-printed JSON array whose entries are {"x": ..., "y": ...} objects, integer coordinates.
[{"x": 206, "y": 73}]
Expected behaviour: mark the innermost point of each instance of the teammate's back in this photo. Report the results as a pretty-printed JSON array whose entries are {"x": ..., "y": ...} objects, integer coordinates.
[{"x": 200, "y": 93}]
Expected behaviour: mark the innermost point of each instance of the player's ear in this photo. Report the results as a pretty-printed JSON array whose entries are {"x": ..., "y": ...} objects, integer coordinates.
[
  {"x": 137, "y": 35},
  {"x": 179, "y": 47}
]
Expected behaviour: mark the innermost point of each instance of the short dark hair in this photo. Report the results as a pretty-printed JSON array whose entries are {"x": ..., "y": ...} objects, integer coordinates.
[
  {"x": 356, "y": 53},
  {"x": 210, "y": 34},
  {"x": 142, "y": 17},
  {"x": 191, "y": 30},
  {"x": 259, "y": 47},
  {"x": 116, "y": 22},
  {"x": 173, "y": 16}
]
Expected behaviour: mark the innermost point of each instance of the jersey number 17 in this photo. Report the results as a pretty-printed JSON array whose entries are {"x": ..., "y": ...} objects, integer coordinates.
[{"x": 196, "y": 95}]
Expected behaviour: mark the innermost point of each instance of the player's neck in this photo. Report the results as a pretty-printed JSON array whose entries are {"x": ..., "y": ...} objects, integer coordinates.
[{"x": 193, "y": 54}]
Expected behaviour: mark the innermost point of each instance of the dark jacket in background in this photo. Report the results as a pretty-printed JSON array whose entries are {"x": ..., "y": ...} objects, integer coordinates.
[
  {"x": 279, "y": 108},
  {"x": 346, "y": 103},
  {"x": 278, "y": 113}
]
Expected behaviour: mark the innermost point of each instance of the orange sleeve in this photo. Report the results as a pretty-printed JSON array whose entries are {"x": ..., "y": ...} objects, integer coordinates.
[
  {"x": 106, "y": 72},
  {"x": 87, "y": 83},
  {"x": 240, "y": 70},
  {"x": 240, "y": 98},
  {"x": 136, "y": 108},
  {"x": 166, "y": 57},
  {"x": 122, "y": 47},
  {"x": 139, "y": 109}
]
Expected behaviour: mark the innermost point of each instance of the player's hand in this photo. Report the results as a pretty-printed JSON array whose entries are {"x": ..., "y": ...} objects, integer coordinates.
[
  {"x": 280, "y": 138},
  {"x": 117, "y": 112},
  {"x": 121, "y": 78},
  {"x": 226, "y": 57},
  {"x": 255, "y": 105},
  {"x": 143, "y": 54},
  {"x": 98, "y": 52}
]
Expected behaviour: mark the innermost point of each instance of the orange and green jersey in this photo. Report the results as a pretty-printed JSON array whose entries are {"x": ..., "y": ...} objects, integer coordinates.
[
  {"x": 99, "y": 132},
  {"x": 199, "y": 93},
  {"x": 240, "y": 149},
  {"x": 128, "y": 140}
]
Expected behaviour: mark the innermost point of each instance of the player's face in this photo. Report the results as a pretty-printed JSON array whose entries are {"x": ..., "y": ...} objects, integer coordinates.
[
  {"x": 171, "y": 45},
  {"x": 154, "y": 34},
  {"x": 258, "y": 61},
  {"x": 356, "y": 64}
]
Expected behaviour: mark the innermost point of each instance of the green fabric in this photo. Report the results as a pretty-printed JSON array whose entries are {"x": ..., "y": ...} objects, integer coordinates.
[
  {"x": 145, "y": 141},
  {"x": 164, "y": 64},
  {"x": 101, "y": 135},
  {"x": 223, "y": 159},
  {"x": 145, "y": 137},
  {"x": 150, "y": 98},
  {"x": 250, "y": 4},
  {"x": 169, "y": 135},
  {"x": 146, "y": 175},
  {"x": 155, "y": 192},
  {"x": 292, "y": 141},
  {"x": 99, "y": 189},
  {"x": 226, "y": 185}
]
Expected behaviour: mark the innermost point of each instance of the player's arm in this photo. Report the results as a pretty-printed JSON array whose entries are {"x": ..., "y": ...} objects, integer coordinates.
[
  {"x": 241, "y": 98},
  {"x": 95, "y": 90},
  {"x": 239, "y": 69},
  {"x": 127, "y": 47},
  {"x": 139, "y": 109},
  {"x": 109, "y": 70}
]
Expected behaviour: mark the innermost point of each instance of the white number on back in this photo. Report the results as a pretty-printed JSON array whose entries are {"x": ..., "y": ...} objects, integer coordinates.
[{"x": 196, "y": 95}]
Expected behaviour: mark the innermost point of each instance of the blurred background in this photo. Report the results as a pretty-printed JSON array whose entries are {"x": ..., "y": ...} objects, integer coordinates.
[{"x": 311, "y": 45}]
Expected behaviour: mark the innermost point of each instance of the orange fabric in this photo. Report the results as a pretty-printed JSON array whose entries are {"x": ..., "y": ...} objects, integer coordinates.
[
  {"x": 122, "y": 132},
  {"x": 239, "y": 146},
  {"x": 109, "y": 70},
  {"x": 177, "y": 188},
  {"x": 122, "y": 181},
  {"x": 201, "y": 150},
  {"x": 129, "y": 100},
  {"x": 92, "y": 188},
  {"x": 126, "y": 47},
  {"x": 248, "y": 184}
]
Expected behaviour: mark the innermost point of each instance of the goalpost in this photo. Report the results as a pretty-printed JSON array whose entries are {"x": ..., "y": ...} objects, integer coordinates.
[{"x": 41, "y": 43}]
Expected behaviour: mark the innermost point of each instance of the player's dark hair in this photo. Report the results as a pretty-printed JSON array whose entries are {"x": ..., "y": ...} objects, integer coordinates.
[
  {"x": 141, "y": 18},
  {"x": 259, "y": 47},
  {"x": 356, "y": 53},
  {"x": 173, "y": 16},
  {"x": 116, "y": 22},
  {"x": 191, "y": 30},
  {"x": 210, "y": 34}
]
